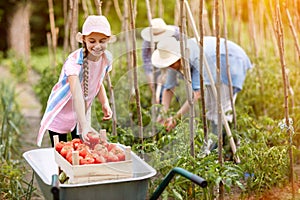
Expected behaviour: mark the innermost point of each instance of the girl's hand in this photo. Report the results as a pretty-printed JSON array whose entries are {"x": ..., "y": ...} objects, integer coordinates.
[
  {"x": 106, "y": 111},
  {"x": 84, "y": 131}
]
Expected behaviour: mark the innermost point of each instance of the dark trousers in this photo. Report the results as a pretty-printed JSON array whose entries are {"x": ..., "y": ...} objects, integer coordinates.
[{"x": 62, "y": 136}]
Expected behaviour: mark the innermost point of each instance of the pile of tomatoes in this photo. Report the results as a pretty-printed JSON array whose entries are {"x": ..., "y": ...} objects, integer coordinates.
[{"x": 96, "y": 152}]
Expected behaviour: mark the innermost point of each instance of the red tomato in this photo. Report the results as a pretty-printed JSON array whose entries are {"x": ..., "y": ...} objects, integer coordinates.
[
  {"x": 111, "y": 146},
  {"x": 69, "y": 156},
  {"x": 112, "y": 157},
  {"x": 103, "y": 142},
  {"x": 119, "y": 153},
  {"x": 59, "y": 146},
  {"x": 93, "y": 138},
  {"x": 98, "y": 158},
  {"x": 76, "y": 142},
  {"x": 83, "y": 150},
  {"x": 87, "y": 160},
  {"x": 99, "y": 147},
  {"x": 64, "y": 151},
  {"x": 103, "y": 152},
  {"x": 69, "y": 143}
]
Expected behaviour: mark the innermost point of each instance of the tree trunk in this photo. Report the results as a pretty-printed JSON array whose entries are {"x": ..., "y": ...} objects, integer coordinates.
[{"x": 19, "y": 32}]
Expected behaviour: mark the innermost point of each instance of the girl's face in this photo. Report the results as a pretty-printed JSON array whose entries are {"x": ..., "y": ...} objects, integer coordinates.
[{"x": 96, "y": 43}]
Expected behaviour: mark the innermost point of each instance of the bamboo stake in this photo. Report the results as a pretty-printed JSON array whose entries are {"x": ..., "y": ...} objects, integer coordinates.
[
  {"x": 200, "y": 43},
  {"x": 67, "y": 19},
  {"x": 280, "y": 41},
  {"x": 98, "y": 6},
  {"x": 53, "y": 30},
  {"x": 89, "y": 6},
  {"x": 160, "y": 9},
  {"x": 252, "y": 27},
  {"x": 218, "y": 86},
  {"x": 294, "y": 33},
  {"x": 117, "y": 9},
  {"x": 211, "y": 79},
  {"x": 111, "y": 91},
  {"x": 112, "y": 101},
  {"x": 50, "y": 52},
  {"x": 153, "y": 6},
  {"x": 227, "y": 64},
  {"x": 137, "y": 94},
  {"x": 187, "y": 74},
  {"x": 74, "y": 24},
  {"x": 273, "y": 28},
  {"x": 85, "y": 8},
  {"x": 129, "y": 54},
  {"x": 152, "y": 85}
]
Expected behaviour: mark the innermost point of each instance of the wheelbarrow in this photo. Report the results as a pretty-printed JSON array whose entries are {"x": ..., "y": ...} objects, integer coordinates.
[{"x": 43, "y": 163}]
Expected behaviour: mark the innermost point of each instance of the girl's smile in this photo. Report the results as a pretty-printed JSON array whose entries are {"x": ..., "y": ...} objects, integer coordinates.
[{"x": 96, "y": 44}]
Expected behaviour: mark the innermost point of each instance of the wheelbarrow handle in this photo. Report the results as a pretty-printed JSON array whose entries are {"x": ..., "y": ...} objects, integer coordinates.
[
  {"x": 177, "y": 170},
  {"x": 55, "y": 187}
]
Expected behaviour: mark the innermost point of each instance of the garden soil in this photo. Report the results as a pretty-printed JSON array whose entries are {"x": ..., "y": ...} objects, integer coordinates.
[{"x": 31, "y": 110}]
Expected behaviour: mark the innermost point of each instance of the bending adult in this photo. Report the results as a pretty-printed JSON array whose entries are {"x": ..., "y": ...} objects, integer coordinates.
[
  {"x": 160, "y": 30},
  {"x": 167, "y": 55}
]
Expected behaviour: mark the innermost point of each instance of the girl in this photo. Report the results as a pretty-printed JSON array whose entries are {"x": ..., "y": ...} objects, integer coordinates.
[{"x": 80, "y": 81}]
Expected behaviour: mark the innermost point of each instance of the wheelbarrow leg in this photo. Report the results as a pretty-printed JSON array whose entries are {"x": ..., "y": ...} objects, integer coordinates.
[
  {"x": 177, "y": 170},
  {"x": 55, "y": 187}
]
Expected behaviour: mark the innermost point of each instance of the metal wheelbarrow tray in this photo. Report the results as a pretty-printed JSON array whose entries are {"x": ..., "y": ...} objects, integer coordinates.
[{"x": 42, "y": 161}]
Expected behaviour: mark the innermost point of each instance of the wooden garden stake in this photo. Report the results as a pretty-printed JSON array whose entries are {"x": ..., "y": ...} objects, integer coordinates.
[
  {"x": 53, "y": 32},
  {"x": 117, "y": 9},
  {"x": 211, "y": 79},
  {"x": 110, "y": 87},
  {"x": 67, "y": 22},
  {"x": 98, "y": 4},
  {"x": 136, "y": 88},
  {"x": 52, "y": 24},
  {"x": 227, "y": 64},
  {"x": 186, "y": 72},
  {"x": 113, "y": 105},
  {"x": 294, "y": 33},
  {"x": 280, "y": 42},
  {"x": 152, "y": 85},
  {"x": 84, "y": 8},
  {"x": 201, "y": 43},
  {"x": 218, "y": 86},
  {"x": 252, "y": 32},
  {"x": 74, "y": 24}
]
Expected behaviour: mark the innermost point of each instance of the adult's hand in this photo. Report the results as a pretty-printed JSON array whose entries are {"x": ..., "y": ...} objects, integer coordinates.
[{"x": 170, "y": 123}]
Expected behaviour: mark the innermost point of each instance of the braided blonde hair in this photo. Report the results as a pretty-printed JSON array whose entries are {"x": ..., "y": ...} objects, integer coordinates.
[{"x": 85, "y": 71}]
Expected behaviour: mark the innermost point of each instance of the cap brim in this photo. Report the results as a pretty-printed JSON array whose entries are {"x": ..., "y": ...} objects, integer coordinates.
[
  {"x": 145, "y": 33},
  {"x": 160, "y": 62},
  {"x": 79, "y": 38}
]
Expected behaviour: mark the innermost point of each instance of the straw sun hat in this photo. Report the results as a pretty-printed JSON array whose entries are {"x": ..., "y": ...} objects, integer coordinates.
[
  {"x": 159, "y": 30},
  {"x": 166, "y": 53},
  {"x": 94, "y": 23}
]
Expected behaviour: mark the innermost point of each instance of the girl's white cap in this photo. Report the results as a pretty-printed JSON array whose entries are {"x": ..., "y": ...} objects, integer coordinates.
[{"x": 96, "y": 24}]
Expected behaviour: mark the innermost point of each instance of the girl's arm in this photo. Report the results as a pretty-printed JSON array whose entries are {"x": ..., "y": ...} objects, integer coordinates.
[
  {"x": 102, "y": 97},
  {"x": 79, "y": 105}
]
